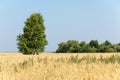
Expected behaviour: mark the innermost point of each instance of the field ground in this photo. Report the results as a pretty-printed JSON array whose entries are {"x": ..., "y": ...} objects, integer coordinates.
[{"x": 51, "y": 66}]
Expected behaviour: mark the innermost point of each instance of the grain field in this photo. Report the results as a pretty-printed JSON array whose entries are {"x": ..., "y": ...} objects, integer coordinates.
[{"x": 51, "y": 66}]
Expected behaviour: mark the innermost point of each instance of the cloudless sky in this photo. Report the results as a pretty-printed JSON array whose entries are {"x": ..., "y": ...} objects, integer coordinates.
[{"x": 81, "y": 20}]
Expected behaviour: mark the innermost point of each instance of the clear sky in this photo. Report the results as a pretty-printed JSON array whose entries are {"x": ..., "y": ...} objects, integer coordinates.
[{"x": 81, "y": 20}]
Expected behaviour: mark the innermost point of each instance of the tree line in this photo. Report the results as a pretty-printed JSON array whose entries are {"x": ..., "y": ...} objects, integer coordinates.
[{"x": 74, "y": 46}]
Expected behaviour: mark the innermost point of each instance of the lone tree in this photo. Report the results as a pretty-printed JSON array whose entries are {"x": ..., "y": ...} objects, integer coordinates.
[{"x": 33, "y": 40}]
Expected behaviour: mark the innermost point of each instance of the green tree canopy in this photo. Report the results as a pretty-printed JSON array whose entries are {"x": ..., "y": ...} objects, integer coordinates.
[
  {"x": 107, "y": 43},
  {"x": 33, "y": 40},
  {"x": 94, "y": 43},
  {"x": 62, "y": 47},
  {"x": 69, "y": 46},
  {"x": 73, "y": 46}
]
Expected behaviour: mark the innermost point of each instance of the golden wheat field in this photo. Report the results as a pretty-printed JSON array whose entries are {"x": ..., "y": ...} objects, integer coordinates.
[{"x": 51, "y": 66}]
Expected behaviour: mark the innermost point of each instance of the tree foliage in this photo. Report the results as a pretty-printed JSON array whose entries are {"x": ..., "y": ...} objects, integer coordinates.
[
  {"x": 70, "y": 46},
  {"x": 33, "y": 40},
  {"x": 73, "y": 46},
  {"x": 94, "y": 43}
]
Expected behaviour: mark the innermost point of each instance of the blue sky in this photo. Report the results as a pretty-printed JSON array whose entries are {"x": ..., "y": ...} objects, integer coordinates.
[{"x": 81, "y": 20}]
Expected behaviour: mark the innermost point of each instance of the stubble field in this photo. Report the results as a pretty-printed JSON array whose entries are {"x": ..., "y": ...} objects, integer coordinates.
[{"x": 92, "y": 66}]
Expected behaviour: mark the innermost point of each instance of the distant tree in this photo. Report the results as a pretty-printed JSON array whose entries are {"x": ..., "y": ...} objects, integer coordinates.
[
  {"x": 33, "y": 40},
  {"x": 107, "y": 43},
  {"x": 94, "y": 43},
  {"x": 110, "y": 50},
  {"x": 101, "y": 48},
  {"x": 116, "y": 47},
  {"x": 74, "y": 47},
  {"x": 83, "y": 46},
  {"x": 70, "y": 46},
  {"x": 62, "y": 48},
  {"x": 106, "y": 47},
  {"x": 92, "y": 46},
  {"x": 82, "y": 43}
]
